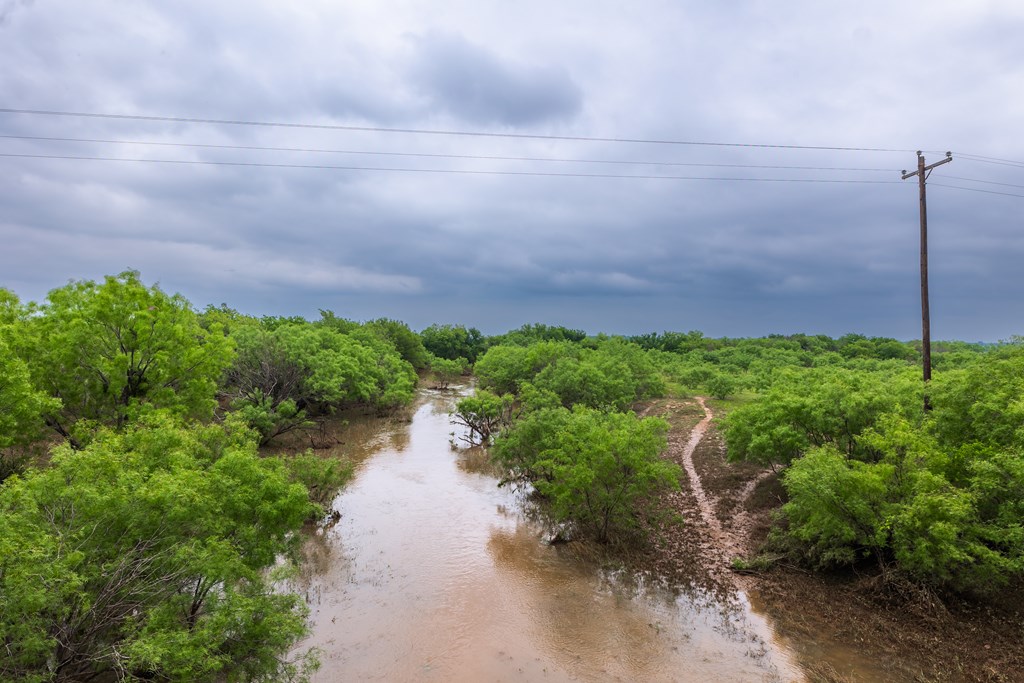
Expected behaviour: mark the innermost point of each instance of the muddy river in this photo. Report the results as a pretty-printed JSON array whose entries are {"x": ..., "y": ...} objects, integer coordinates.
[{"x": 433, "y": 573}]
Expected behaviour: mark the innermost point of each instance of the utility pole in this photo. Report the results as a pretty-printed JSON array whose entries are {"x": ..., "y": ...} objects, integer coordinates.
[{"x": 922, "y": 174}]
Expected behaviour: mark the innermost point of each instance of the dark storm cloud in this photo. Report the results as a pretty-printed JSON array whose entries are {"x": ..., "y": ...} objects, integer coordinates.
[
  {"x": 621, "y": 255},
  {"x": 474, "y": 85}
]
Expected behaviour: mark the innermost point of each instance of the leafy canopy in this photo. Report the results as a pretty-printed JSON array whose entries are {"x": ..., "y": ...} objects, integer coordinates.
[
  {"x": 145, "y": 555},
  {"x": 600, "y": 472},
  {"x": 110, "y": 351}
]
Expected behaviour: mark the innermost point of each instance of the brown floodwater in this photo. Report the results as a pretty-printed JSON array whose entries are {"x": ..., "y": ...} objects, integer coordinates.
[{"x": 434, "y": 573}]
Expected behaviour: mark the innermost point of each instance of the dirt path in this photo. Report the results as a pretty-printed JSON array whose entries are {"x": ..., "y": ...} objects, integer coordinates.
[
  {"x": 690, "y": 552},
  {"x": 717, "y": 526},
  {"x": 848, "y": 631},
  {"x": 707, "y": 510}
]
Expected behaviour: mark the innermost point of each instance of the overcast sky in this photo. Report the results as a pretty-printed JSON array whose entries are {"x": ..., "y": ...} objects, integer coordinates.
[{"x": 496, "y": 243}]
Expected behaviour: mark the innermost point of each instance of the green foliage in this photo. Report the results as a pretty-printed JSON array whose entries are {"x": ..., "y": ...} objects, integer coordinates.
[
  {"x": 408, "y": 344},
  {"x": 113, "y": 350},
  {"x": 321, "y": 477},
  {"x": 145, "y": 555},
  {"x": 485, "y": 414},
  {"x": 600, "y": 472},
  {"x": 11, "y": 310},
  {"x": 454, "y": 341},
  {"x": 944, "y": 518},
  {"x": 982, "y": 401},
  {"x": 394, "y": 379},
  {"x": 610, "y": 376},
  {"x": 673, "y": 342},
  {"x": 281, "y": 374},
  {"x": 530, "y": 334},
  {"x": 837, "y": 506},
  {"x": 446, "y": 371},
  {"x": 270, "y": 420},
  {"x": 266, "y": 383},
  {"x": 503, "y": 368},
  {"x": 937, "y": 497},
  {"x": 225, "y": 319},
  {"x": 335, "y": 368},
  {"x": 532, "y": 398},
  {"x": 272, "y": 322},
  {"x": 327, "y": 319},
  {"x": 21, "y": 412},
  {"x": 721, "y": 385},
  {"x": 811, "y": 407}
]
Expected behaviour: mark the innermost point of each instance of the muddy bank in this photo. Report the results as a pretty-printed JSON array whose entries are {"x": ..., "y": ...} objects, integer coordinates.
[{"x": 842, "y": 627}]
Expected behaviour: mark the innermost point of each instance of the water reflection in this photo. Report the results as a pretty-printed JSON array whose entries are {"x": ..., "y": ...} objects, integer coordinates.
[
  {"x": 475, "y": 460},
  {"x": 434, "y": 573}
]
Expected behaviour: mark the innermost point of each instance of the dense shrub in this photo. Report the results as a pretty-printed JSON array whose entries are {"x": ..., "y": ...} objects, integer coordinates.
[
  {"x": 283, "y": 375},
  {"x": 600, "y": 472},
  {"x": 145, "y": 556}
]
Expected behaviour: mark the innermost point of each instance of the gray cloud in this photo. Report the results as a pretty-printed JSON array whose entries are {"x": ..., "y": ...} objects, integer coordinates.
[
  {"x": 472, "y": 84},
  {"x": 620, "y": 255},
  {"x": 9, "y": 7}
]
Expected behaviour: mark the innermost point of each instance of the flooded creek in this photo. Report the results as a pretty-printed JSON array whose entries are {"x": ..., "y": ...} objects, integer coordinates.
[{"x": 433, "y": 573}]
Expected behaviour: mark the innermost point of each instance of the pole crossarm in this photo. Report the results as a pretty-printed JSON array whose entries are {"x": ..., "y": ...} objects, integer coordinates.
[{"x": 928, "y": 168}]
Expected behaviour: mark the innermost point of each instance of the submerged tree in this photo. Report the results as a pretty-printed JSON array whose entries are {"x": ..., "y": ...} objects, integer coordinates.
[
  {"x": 485, "y": 415},
  {"x": 599, "y": 472},
  {"x": 281, "y": 376}
]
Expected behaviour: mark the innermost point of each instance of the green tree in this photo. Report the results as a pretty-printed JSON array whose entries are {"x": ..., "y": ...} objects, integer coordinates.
[
  {"x": 610, "y": 375},
  {"x": 808, "y": 407},
  {"x": 484, "y": 415},
  {"x": 982, "y": 401},
  {"x": 342, "y": 368},
  {"x": 109, "y": 351},
  {"x": 532, "y": 333},
  {"x": 22, "y": 408},
  {"x": 394, "y": 377},
  {"x": 265, "y": 383},
  {"x": 11, "y": 310},
  {"x": 281, "y": 377},
  {"x": 721, "y": 385},
  {"x": 454, "y": 341},
  {"x": 600, "y": 472},
  {"x": 225, "y": 319},
  {"x": 408, "y": 343},
  {"x": 503, "y": 368},
  {"x": 145, "y": 556},
  {"x": 322, "y": 477},
  {"x": 942, "y": 517},
  {"x": 446, "y": 371}
]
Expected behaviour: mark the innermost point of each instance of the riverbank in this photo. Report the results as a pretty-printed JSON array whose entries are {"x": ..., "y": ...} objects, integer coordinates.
[{"x": 845, "y": 627}]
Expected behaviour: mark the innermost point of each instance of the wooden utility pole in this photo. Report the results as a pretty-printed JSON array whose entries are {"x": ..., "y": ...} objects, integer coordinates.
[{"x": 922, "y": 174}]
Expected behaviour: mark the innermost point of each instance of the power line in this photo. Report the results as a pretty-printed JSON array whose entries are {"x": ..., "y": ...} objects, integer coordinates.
[
  {"x": 976, "y": 189},
  {"x": 991, "y": 160},
  {"x": 436, "y": 155},
  {"x": 194, "y": 162},
  {"x": 424, "y": 131},
  {"x": 987, "y": 182}
]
